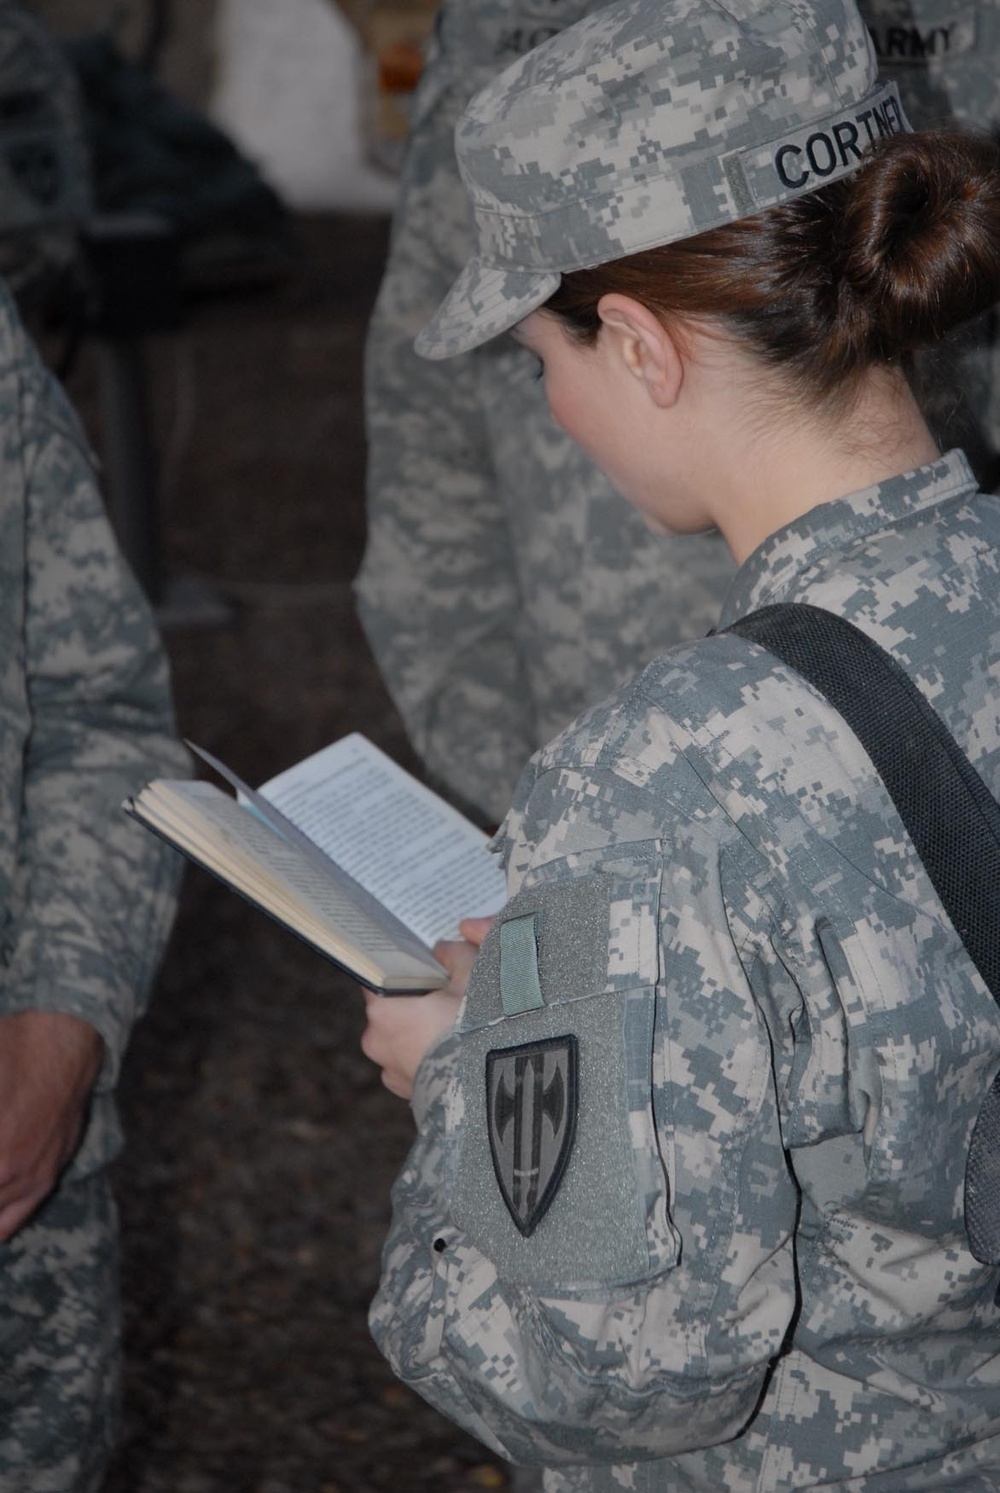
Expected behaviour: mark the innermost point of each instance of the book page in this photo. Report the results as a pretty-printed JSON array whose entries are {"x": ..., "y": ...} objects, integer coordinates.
[
  {"x": 427, "y": 863},
  {"x": 212, "y": 827}
]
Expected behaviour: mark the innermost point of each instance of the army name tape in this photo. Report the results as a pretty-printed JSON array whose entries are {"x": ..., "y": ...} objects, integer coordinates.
[{"x": 763, "y": 175}]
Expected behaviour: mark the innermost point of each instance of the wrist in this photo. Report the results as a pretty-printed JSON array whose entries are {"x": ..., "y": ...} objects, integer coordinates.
[{"x": 59, "y": 1040}]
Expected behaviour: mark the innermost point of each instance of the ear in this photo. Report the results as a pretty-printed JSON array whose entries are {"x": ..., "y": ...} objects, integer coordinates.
[{"x": 647, "y": 350}]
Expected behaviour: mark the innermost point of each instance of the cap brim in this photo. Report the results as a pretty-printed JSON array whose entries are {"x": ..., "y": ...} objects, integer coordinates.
[{"x": 483, "y": 302}]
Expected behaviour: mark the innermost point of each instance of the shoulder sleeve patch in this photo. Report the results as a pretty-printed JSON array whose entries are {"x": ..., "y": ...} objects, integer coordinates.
[
  {"x": 555, "y": 1171},
  {"x": 531, "y": 1095}
]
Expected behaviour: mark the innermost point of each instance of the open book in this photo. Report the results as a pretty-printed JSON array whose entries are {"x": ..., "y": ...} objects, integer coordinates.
[{"x": 346, "y": 849}]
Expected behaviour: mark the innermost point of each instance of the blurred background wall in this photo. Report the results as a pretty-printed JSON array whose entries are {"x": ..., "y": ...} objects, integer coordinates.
[
  {"x": 291, "y": 87},
  {"x": 302, "y": 86},
  {"x": 188, "y": 59}
]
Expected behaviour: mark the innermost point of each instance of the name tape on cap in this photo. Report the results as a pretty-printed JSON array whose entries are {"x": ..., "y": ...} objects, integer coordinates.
[{"x": 809, "y": 158}]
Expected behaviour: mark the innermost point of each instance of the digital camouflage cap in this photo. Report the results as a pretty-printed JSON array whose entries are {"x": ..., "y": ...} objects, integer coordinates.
[{"x": 648, "y": 122}]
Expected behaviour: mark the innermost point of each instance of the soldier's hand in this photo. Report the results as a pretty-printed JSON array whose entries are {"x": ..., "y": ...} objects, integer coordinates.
[
  {"x": 459, "y": 957},
  {"x": 49, "y": 1063},
  {"x": 401, "y": 1028}
]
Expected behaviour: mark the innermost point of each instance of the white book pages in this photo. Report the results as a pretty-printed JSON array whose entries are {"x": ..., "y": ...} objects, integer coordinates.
[
  {"x": 248, "y": 855},
  {"x": 412, "y": 851}
]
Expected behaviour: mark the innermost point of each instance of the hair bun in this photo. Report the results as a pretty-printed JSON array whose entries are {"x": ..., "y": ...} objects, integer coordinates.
[{"x": 919, "y": 241}]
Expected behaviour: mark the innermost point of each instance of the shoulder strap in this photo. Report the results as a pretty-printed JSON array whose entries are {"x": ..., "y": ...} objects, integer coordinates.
[
  {"x": 952, "y": 817},
  {"x": 950, "y": 814}
]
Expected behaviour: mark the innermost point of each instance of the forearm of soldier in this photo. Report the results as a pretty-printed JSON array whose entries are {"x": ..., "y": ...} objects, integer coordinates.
[
  {"x": 96, "y": 900},
  {"x": 95, "y": 893}
]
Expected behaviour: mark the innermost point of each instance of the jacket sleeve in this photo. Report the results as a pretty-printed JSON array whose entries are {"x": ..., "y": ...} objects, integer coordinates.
[
  {"x": 438, "y": 593},
  {"x": 90, "y": 894},
  {"x": 591, "y": 1254}
]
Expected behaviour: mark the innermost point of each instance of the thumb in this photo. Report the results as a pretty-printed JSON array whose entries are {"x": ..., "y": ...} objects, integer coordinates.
[{"x": 474, "y": 930}]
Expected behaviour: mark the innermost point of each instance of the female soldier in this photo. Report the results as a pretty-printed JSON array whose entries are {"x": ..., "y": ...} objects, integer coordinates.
[
  {"x": 504, "y": 587},
  {"x": 685, "y": 1210}
]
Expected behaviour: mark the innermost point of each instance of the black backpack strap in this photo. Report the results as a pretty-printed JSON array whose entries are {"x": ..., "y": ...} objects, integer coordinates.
[{"x": 950, "y": 814}]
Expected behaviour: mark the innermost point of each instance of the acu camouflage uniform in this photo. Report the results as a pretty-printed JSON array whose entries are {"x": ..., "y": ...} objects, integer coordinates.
[
  {"x": 505, "y": 586},
  {"x": 86, "y": 897},
  {"x": 685, "y": 1211},
  {"x": 750, "y": 1272}
]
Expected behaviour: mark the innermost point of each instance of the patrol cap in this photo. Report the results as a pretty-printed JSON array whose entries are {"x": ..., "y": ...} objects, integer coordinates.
[{"x": 648, "y": 122}]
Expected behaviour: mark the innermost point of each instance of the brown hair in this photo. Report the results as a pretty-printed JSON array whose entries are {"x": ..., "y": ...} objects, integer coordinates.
[{"x": 862, "y": 272}]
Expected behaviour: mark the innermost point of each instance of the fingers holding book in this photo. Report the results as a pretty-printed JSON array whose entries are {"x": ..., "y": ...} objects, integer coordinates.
[{"x": 400, "y": 1030}]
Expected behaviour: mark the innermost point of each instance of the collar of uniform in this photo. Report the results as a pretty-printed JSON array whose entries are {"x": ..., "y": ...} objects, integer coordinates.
[{"x": 770, "y": 574}]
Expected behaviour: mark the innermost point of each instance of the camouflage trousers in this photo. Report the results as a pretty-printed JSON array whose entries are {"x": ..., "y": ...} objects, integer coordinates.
[{"x": 60, "y": 1371}]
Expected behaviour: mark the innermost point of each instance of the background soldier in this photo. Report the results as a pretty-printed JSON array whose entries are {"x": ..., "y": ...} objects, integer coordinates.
[
  {"x": 503, "y": 588},
  {"x": 86, "y": 897}
]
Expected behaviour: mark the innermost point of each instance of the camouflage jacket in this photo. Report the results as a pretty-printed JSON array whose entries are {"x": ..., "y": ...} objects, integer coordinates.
[
  {"x": 86, "y": 896},
  {"x": 505, "y": 587},
  {"x": 685, "y": 1210}
]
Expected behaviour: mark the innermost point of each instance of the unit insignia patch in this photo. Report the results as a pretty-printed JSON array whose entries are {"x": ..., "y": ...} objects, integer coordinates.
[{"x": 531, "y": 1103}]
